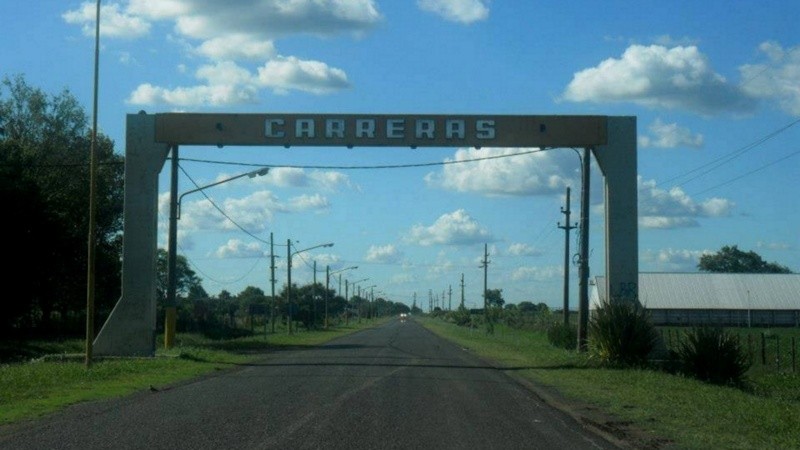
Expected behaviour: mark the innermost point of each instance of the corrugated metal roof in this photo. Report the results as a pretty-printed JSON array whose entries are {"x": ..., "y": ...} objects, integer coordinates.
[{"x": 714, "y": 291}]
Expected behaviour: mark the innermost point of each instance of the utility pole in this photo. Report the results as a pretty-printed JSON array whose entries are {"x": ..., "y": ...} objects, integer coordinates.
[
  {"x": 486, "y": 313},
  {"x": 289, "y": 286},
  {"x": 314, "y": 298},
  {"x": 566, "y": 229},
  {"x": 170, "y": 306},
  {"x": 91, "y": 257},
  {"x": 462, "y": 290},
  {"x": 485, "y": 266},
  {"x": 450, "y": 297},
  {"x": 583, "y": 285},
  {"x": 346, "y": 301},
  {"x": 272, "y": 278},
  {"x": 327, "y": 292},
  {"x": 430, "y": 301}
]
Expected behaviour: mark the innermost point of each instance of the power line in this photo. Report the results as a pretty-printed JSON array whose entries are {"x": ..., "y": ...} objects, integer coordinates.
[
  {"x": 724, "y": 159},
  {"x": 220, "y": 209},
  {"x": 191, "y": 263},
  {"x": 373, "y": 167},
  {"x": 748, "y": 173}
]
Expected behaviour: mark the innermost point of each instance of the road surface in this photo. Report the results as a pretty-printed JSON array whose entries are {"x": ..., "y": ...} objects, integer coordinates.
[{"x": 397, "y": 386}]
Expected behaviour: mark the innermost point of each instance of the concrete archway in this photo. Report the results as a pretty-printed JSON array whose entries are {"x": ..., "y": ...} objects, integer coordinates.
[{"x": 131, "y": 327}]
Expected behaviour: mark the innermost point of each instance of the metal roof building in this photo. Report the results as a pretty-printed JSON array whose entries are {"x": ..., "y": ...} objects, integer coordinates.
[{"x": 733, "y": 299}]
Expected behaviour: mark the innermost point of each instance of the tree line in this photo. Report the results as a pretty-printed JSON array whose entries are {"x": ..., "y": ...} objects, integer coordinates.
[
  {"x": 251, "y": 308},
  {"x": 44, "y": 187}
]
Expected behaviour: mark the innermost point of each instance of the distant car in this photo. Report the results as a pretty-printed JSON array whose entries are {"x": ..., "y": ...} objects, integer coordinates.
[{"x": 403, "y": 317}]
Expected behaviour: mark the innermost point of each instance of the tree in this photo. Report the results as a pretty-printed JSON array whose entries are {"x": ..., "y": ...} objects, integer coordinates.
[
  {"x": 494, "y": 297},
  {"x": 186, "y": 280},
  {"x": 44, "y": 165},
  {"x": 729, "y": 259}
]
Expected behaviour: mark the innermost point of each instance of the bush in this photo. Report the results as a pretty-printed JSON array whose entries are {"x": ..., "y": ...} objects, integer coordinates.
[
  {"x": 621, "y": 333},
  {"x": 563, "y": 336},
  {"x": 460, "y": 317},
  {"x": 712, "y": 354}
]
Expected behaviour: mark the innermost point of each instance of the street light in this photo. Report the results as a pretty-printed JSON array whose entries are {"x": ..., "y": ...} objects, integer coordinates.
[
  {"x": 289, "y": 276},
  {"x": 174, "y": 214},
  {"x": 370, "y": 301},
  {"x": 328, "y": 274},
  {"x": 359, "y": 295}
]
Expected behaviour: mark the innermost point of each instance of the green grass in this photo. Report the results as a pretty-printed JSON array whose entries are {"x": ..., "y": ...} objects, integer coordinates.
[
  {"x": 688, "y": 412},
  {"x": 33, "y": 388}
]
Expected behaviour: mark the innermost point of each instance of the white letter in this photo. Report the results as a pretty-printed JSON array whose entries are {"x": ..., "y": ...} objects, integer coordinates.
[
  {"x": 395, "y": 128},
  {"x": 455, "y": 129},
  {"x": 334, "y": 127},
  {"x": 485, "y": 129},
  {"x": 270, "y": 132},
  {"x": 304, "y": 128},
  {"x": 424, "y": 127},
  {"x": 365, "y": 128}
]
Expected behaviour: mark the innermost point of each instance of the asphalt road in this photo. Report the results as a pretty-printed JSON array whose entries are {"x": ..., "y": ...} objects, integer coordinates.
[{"x": 396, "y": 386}]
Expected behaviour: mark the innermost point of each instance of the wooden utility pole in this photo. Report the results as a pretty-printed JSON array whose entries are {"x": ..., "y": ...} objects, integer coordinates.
[
  {"x": 485, "y": 266},
  {"x": 567, "y": 227},
  {"x": 462, "y": 290},
  {"x": 583, "y": 285}
]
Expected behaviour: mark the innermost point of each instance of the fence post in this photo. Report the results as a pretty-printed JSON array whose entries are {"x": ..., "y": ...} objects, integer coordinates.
[
  {"x": 763, "y": 349},
  {"x": 750, "y": 348},
  {"x": 778, "y": 351},
  {"x": 794, "y": 354}
]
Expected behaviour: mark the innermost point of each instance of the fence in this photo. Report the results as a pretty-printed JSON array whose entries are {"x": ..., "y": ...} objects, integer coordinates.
[{"x": 770, "y": 349}]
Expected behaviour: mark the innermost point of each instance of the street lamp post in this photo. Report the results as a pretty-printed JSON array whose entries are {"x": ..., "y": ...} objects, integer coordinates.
[
  {"x": 328, "y": 274},
  {"x": 358, "y": 295},
  {"x": 175, "y": 214},
  {"x": 289, "y": 255}
]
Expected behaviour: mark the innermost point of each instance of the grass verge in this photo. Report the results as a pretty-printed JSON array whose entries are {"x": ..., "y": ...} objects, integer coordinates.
[
  {"x": 687, "y": 412},
  {"x": 33, "y": 388}
]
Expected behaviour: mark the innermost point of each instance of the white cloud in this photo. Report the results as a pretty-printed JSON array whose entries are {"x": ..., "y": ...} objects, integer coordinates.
[
  {"x": 778, "y": 79},
  {"x": 774, "y": 245},
  {"x": 206, "y": 19},
  {"x": 657, "y": 76},
  {"x": 402, "y": 278},
  {"x": 383, "y": 254},
  {"x": 455, "y": 228},
  {"x": 298, "y": 178},
  {"x": 541, "y": 173},
  {"x": 536, "y": 273},
  {"x": 114, "y": 23},
  {"x": 290, "y": 73},
  {"x": 252, "y": 212},
  {"x": 673, "y": 260},
  {"x": 237, "y": 47},
  {"x": 235, "y": 248},
  {"x": 147, "y": 94},
  {"x": 229, "y": 32},
  {"x": 308, "y": 202},
  {"x": 673, "y": 208},
  {"x": 462, "y": 11},
  {"x": 670, "y": 135},
  {"x": 522, "y": 249}
]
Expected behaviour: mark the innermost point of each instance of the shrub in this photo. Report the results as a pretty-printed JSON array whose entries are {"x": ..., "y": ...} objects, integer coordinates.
[
  {"x": 461, "y": 317},
  {"x": 712, "y": 354},
  {"x": 621, "y": 333},
  {"x": 562, "y": 335}
]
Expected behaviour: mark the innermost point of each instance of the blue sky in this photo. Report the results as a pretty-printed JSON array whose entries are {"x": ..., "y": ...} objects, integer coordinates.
[{"x": 714, "y": 85}]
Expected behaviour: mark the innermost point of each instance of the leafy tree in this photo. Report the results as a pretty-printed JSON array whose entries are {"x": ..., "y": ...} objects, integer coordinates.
[
  {"x": 729, "y": 259},
  {"x": 186, "y": 280},
  {"x": 494, "y": 297},
  {"x": 44, "y": 155}
]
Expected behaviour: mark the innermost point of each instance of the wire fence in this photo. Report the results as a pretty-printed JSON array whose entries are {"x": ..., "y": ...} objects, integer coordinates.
[{"x": 773, "y": 349}]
